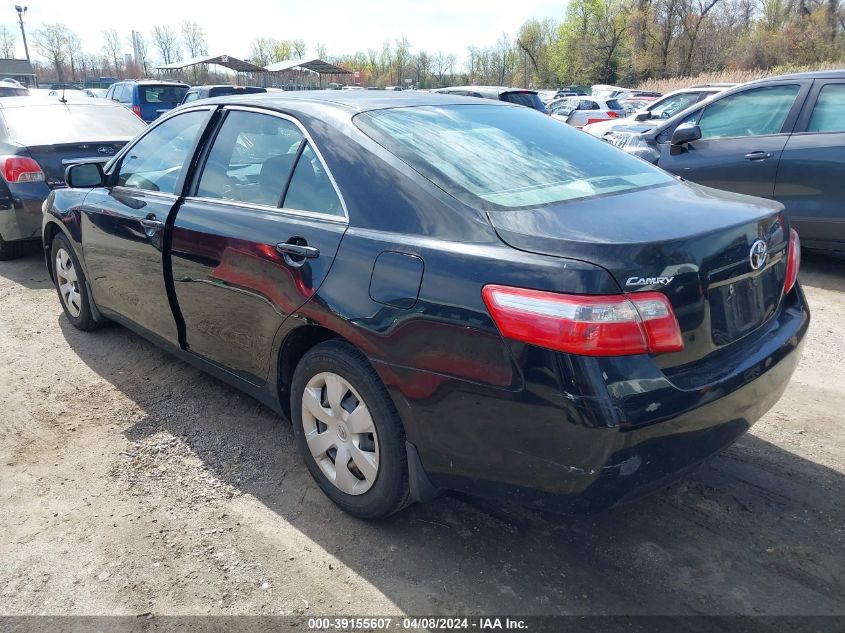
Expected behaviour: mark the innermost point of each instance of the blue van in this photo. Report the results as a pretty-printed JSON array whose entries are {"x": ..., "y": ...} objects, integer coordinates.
[{"x": 148, "y": 98}]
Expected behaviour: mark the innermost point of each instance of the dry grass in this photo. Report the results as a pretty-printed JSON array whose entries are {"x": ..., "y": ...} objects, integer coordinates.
[{"x": 730, "y": 76}]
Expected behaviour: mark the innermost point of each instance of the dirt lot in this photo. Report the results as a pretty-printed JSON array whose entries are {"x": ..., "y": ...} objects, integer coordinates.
[{"x": 131, "y": 483}]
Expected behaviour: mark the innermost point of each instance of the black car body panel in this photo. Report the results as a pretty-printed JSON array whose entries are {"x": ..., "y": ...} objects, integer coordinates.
[
  {"x": 402, "y": 281},
  {"x": 799, "y": 164}
]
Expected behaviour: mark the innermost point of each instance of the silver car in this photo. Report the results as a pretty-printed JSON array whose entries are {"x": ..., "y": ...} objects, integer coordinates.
[{"x": 581, "y": 111}]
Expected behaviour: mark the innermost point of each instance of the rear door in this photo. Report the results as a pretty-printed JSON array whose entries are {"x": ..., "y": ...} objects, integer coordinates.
[
  {"x": 123, "y": 225},
  {"x": 811, "y": 176},
  {"x": 742, "y": 137},
  {"x": 255, "y": 240}
]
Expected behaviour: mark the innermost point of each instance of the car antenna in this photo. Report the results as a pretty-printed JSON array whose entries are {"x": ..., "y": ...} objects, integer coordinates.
[{"x": 63, "y": 100}]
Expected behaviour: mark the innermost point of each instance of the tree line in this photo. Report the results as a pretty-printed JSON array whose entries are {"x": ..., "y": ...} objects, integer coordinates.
[{"x": 627, "y": 42}]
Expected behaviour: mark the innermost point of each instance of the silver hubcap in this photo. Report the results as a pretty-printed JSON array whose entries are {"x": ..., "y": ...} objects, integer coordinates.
[
  {"x": 340, "y": 433},
  {"x": 68, "y": 283}
]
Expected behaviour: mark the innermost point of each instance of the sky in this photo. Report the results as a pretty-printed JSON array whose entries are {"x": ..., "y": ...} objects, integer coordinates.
[{"x": 343, "y": 26}]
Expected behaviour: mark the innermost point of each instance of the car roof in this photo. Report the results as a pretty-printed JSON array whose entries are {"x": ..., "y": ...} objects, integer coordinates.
[
  {"x": 818, "y": 74},
  {"x": 45, "y": 100},
  {"x": 497, "y": 90},
  {"x": 349, "y": 100},
  {"x": 155, "y": 82}
]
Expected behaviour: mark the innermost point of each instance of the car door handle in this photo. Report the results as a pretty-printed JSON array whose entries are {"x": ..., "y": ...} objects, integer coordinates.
[
  {"x": 758, "y": 156},
  {"x": 296, "y": 254},
  {"x": 152, "y": 223}
]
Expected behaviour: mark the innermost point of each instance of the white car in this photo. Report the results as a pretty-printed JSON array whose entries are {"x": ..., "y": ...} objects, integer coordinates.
[
  {"x": 581, "y": 111},
  {"x": 658, "y": 110}
]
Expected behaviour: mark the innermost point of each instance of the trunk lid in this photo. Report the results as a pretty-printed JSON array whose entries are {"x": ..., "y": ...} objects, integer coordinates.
[
  {"x": 692, "y": 243},
  {"x": 54, "y": 159}
]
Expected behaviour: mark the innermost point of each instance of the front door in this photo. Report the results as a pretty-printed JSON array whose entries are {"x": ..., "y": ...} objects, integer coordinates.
[
  {"x": 254, "y": 241},
  {"x": 742, "y": 138},
  {"x": 811, "y": 176},
  {"x": 124, "y": 224}
]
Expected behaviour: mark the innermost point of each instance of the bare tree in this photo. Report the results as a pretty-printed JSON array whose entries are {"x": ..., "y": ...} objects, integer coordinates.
[
  {"x": 167, "y": 42},
  {"x": 113, "y": 48},
  {"x": 8, "y": 42},
  {"x": 401, "y": 57},
  {"x": 193, "y": 37},
  {"x": 442, "y": 65},
  {"x": 322, "y": 53},
  {"x": 51, "y": 41},
  {"x": 139, "y": 46},
  {"x": 74, "y": 53},
  {"x": 299, "y": 48}
]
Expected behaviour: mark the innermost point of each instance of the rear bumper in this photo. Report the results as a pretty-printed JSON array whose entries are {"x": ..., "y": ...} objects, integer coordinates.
[
  {"x": 573, "y": 439},
  {"x": 20, "y": 218}
]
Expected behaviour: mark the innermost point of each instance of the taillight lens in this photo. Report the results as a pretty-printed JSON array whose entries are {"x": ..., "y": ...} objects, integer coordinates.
[
  {"x": 590, "y": 325},
  {"x": 21, "y": 169},
  {"x": 793, "y": 261},
  {"x": 137, "y": 110},
  {"x": 612, "y": 114}
]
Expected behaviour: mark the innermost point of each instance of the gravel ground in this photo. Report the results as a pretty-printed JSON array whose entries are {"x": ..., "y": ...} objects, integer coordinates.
[{"x": 131, "y": 483}]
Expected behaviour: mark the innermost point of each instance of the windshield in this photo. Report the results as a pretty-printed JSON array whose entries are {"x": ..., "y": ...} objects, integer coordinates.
[
  {"x": 505, "y": 157},
  {"x": 665, "y": 108},
  {"x": 50, "y": 123}
]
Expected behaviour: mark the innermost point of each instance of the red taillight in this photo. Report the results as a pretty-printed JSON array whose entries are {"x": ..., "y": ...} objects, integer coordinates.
[
  {"x": 137, "y": 110},
  {"x": 21, "y": 169},
  {"x": 590, "y": 325},
  {"x": 612, "y": 114},
  {"x": 793, "y": 261}
]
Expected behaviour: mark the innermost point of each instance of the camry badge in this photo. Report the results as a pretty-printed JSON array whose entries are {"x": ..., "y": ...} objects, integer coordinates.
[
  {"x": 648, "y": 281},
  {"x": 758, "y": 255},
  {"x": 105, "y": 150}
]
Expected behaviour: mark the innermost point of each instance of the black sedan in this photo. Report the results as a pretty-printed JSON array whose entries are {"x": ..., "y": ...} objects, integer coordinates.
[
  {"x": 440, "y": 292},
  {"x": 39, "y": 137}
]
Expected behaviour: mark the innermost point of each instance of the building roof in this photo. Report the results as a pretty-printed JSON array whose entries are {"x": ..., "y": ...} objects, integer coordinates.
[
  {"x": 227, "y": 61},
  {"x": 16, "y": 67},
  {"x": 315, "y": 65}
]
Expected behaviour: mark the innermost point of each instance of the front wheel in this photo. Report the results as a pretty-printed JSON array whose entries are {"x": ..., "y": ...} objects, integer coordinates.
[
  {"x": 71, "y": 285},
  {"x": 348, "y": 432}
]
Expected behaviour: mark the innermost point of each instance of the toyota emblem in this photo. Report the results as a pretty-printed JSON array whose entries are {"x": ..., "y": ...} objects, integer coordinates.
[{"x": 759, "y": 254}]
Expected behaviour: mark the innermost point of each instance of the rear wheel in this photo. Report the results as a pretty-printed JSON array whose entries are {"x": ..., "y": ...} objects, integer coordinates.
[
  {"x": 71, "y": 285},
  {"x": 11, "y": 250},
  {"x": 348, "y": 431}
]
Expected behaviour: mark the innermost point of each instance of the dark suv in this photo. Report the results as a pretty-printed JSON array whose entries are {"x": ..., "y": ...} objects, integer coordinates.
[
  {"x": 206, "y": 92},
  {"x": 149, "y": 99},
  {"x": 781, "y": 138},
  {"x": 519, "y": 96}
]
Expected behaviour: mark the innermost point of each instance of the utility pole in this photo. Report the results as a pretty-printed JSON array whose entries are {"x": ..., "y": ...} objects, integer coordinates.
[{"x": 21, "y": 11}]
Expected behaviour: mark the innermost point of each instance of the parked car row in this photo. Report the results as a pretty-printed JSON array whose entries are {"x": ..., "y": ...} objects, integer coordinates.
[{"x": 440, "y": 291}]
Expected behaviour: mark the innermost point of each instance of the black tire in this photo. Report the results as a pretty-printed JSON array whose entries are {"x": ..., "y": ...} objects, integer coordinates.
[
  {"x": 11, "y": 250},
  {"x": 390, "y": 491},
  {"x": 85, "y": 320}
]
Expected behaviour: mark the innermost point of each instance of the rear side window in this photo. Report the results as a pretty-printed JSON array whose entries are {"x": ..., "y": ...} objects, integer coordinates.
[
  {"x": 156, "y": 161},
  {"x": 829, "y": 111},
  {"x": 460, "y": 149},
  {"x": 161, "y": 94},
  {"x": 613, "y": 104},
  {"x": 310, "y": 187},
  {"x": 754, "y": 112},
  {"x": 251, "y": 159},
  {"x": 527, "y": 99}
]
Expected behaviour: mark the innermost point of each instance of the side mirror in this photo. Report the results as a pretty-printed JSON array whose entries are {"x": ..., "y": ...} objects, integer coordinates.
[
  {"x": 85, "y": 175},
  {"x": 642, "y": 115},
  {"x": 686, "y": 133}
]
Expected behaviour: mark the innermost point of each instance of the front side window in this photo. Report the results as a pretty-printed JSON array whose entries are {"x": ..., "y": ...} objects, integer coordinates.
[
  {"x": 156, "y": 161},
  {"x": 754, "y": 112},
  {"x": 666, "y": 108},
  {"x": 310, "y": 187},
  {"x": 505, "y": 157},
  {"x": 191, "y": 96},
  {"x": 829, "y": 111},
  {"x": 251, "y": 159}
]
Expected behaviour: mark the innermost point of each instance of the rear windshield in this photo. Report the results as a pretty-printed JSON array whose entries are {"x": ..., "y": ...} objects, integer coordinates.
[
  {"x": 506, "y": 157},
  {"x": 232, "y": 90},
  {"x": 613, "y": 104},
  {"x": 37, "y": 124},
  {"x": 162, "y": 94},
  {"x": 528, "y": 99},
  {"x": 11, "y": 91}
]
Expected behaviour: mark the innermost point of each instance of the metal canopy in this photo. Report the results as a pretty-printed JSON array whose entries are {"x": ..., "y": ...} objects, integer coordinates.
[
  {"x": 232, "y": 63},
  {"x": 315, "y": 65}
]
